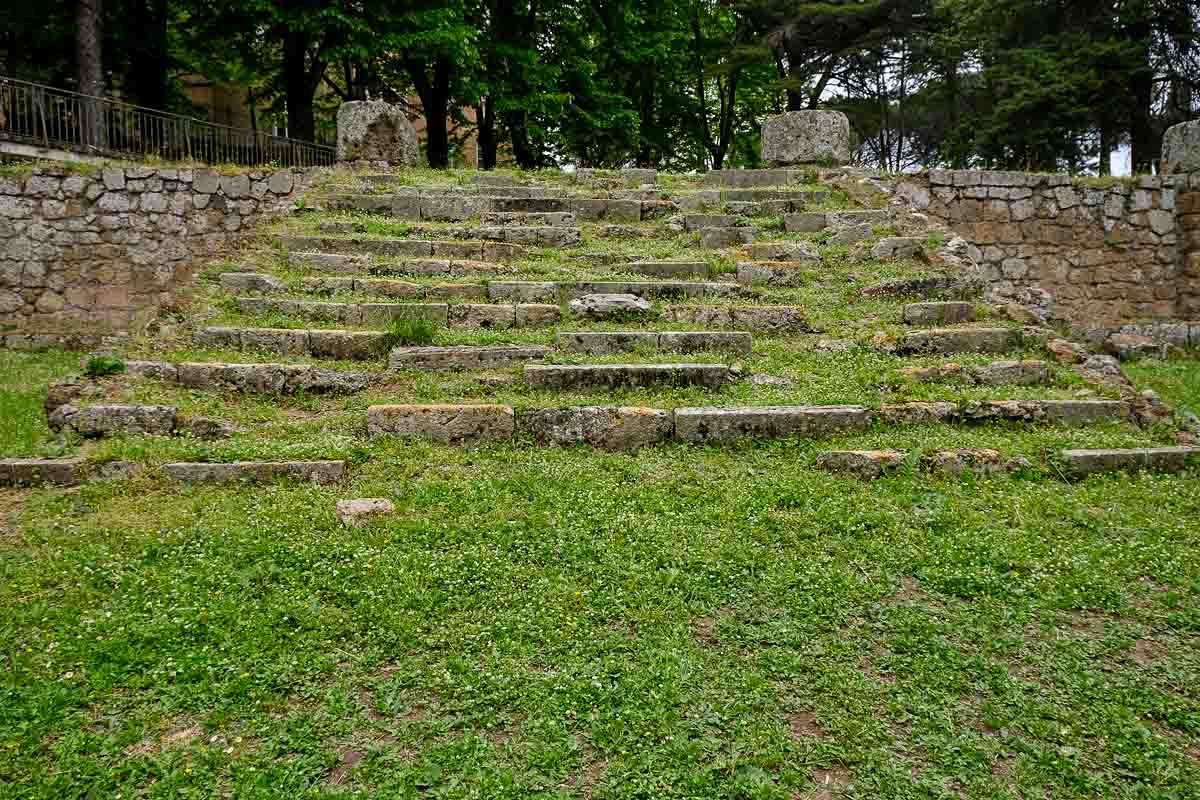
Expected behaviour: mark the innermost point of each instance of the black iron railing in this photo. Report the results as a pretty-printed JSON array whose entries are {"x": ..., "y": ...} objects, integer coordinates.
[{"x": 54, "y": 118}]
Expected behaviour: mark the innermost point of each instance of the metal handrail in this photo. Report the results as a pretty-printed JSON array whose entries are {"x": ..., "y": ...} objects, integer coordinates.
[{"x": 42, "y": 115}]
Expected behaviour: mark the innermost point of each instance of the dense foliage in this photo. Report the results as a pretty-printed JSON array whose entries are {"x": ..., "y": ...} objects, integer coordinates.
[{"x": 679, "y": 84}]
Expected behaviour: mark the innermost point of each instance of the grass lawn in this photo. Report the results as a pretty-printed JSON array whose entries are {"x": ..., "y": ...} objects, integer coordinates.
[{"x": 686, "y": 622}]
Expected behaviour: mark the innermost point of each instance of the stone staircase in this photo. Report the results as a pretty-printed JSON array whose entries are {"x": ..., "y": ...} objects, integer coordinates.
[{"x": 745, "y": 306}]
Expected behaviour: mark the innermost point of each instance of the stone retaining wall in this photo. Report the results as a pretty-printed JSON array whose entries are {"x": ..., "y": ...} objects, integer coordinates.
[
  {"x": 88, "y": 254},
  {"x": 1109, "y": 253}
]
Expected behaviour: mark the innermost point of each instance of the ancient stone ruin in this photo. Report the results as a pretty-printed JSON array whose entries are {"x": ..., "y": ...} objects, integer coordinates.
[{"x": 376, "y": 132}]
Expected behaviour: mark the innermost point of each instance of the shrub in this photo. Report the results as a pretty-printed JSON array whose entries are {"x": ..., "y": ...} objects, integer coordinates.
[{"x": 99, "y": 366}]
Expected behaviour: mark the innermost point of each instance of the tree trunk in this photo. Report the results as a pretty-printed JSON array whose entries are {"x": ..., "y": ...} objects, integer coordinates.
[
  {"x": 147, "y": 76},
  {"x": 518, "y": 132},
  {"x": 485, "y": 120},
  {"x": 1104, "y": 165},
  {"x": 434, "y": 91},
  {"x": 89, "y": 65},
  {"x": 645, "y": 156},
  {"x": 1144, "y": 144},
  {"x": 301, "y": 122}
]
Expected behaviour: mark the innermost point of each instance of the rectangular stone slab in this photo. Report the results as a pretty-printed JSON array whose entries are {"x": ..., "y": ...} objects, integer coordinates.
[
  {"x": 719, "y": 425},
  {"x": 41, "y": 471},
  {"x": 447, "y": 424},
  {"x": 939, "y": 313},
  {"x": 447, "y": 358},
  {"x": 648, "y": 289},
  {"x": 1159, "y": 459},
  {"x": 961, "y": 340},
  {"x": 606, "y": 427},
  {"x": 321, "y": 472},
  {"x": 613, "y": 376},
  {"x": 523, "y": 291}
]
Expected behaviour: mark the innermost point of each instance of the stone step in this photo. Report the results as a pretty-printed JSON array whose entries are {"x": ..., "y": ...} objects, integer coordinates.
[
  {"x": 749, "y": 178},
  {"x": 42, "y": 471},
  {"x": 602, "y": 342},
  {"x": 271, "y": 379},
  {"x": 537, "y": 236},
  {"x": 931, "y": 286},
  {"x": 761, "y": 319},
  {"x": 561, "y": 377},
  {"x": 873, "y": 464},
  {"x": 458, "y": 315},
  {"x": 783, "y": 251},
  {"x": 544, "y": 219},
  {"x": 464, "y": 357},
  {"x": 594, "y": 209},
  {"x": 1081, "y": 463},
  {"x": 110, "y": 419},
  {"x": 666, "y": 269},
  {"x": 938, "y": 313},
  {"x": 616, "y": 428},
  {"x": 346, "y": 345},
  {"x": 713, "y": 238},
  {"x": 637, "y": 175},
  {"x": 723, "y": 425},
  {"x": 949, "y": 341},
  {"x": 267, "y": 284},
  {"x": 898, "y": 247},
  {"x": 817, "y": 221},
  {"x": 495, "y": 252},
  {"x": 998, "y": 373},
  {"x": 651, "y": 289},
  {"x": 699, "y": 222},
  {"x": 446, "y": 424},
  {"x": 794, "y": 196},
  {"x": 394, "y": 288},
  {"x": 1061, "y": 412},
  {"x": 712, "y": 199},
  {"x": 536, "y": 205},
  {"x": 319, "y": 472},
  {"x": 777, "y": 273}
]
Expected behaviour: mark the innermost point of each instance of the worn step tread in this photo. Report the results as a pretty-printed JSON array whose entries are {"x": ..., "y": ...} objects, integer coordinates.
[
  {"x": 320, "y": 472},
  {"x": 465, "y": 356},
  {"x": 600, "y": 342},
  {"x": 1161, "y": 459},
  {"x": 612, "y": 376}
]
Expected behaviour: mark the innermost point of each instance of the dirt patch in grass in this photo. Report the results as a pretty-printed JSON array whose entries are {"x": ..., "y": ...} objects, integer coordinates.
[
  {"x": 804, "y": 725},
  {"x": 909, "y": 593},
  {"x": 830, "y": 783},
  {"x": 1003, "y": 767},
  {"x": 12, "y": 503},
  {"x": 347, "y": 760},
  {"x": 584, "y": 783},
  {"x": 704, "y": 628},
  {"x": 179, "y": 736},
  {"x": 1148, "y": 652}
]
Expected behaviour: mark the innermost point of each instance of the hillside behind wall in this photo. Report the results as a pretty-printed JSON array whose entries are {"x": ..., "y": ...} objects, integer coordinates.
[
  {"x": 89, "y": 255},
  {"x": 1109, "y": 253}
]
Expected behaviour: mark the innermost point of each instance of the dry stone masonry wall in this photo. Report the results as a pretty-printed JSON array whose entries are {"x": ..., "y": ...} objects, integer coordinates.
[
  {"x": 1108, "y": 254},
  {"x": 84, "y": 256}
]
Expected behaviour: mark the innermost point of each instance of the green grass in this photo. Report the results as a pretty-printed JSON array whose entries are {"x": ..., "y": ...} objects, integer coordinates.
[
  {"x": 23, "y": 429},
  {"x": 553, "y": 623},
  {"x": 686, "y": 622}
]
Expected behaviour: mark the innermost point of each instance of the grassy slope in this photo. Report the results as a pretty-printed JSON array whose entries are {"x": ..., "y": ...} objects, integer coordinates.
[
  {"x": 683, "y": 622},
  {"x": 686, "y": 622}
]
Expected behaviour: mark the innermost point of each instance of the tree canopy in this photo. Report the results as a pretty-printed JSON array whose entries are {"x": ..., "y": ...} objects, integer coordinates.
[{"x": 677, "y": 84}]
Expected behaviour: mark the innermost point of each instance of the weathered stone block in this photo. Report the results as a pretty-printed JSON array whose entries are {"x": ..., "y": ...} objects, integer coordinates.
[
  {"x": 705, "y": 341},
  {"x": 610, "y": 306},
  {"x": 805, "y": 222},
  {"x": 362, "y": 511},
  {"x": 1161, "y": 459},
  {"x": 347, "y": 345},
  {"x": 603, "y": 342},
  {"x": 109, "y": 419},
  {"x": 319, "y": 472},
  {"x": 697, "y": 222},
  {"x": 784, "y": 251},
  {"x": 616, "y": 376},
  {"x": 1181, "y": 148},
  {"x": 806, "y": 137},
  {"x": 446, "y": 424},
  {"x": 605, "y": 427},
  {"x": 1063, "y": 412},
  {"x": 866, "y": 464},
  {"x": 464, "y": 357},
  {"x": 375, "y": 131},
  {"x": 251, "y": 282},
  {"x": 961, "y": 340},
  {"x": 725, "y": 237},
  {"x": 721, "y": 425},
  {"x": 41, "y": 471},
  {"x": 898, "y": 247},
  {"x": 483, "y": 315},
  {"x": 938, "y": 313}
]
